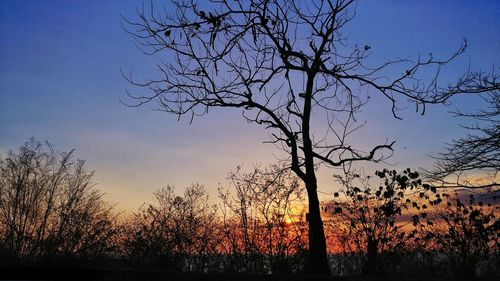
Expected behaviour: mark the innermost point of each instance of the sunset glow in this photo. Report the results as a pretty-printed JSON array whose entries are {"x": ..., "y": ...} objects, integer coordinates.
[{"x": 281, "y": 138}]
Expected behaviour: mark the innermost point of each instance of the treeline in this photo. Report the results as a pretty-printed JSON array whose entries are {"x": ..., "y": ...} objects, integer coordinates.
[{"x": 391, "y": 224}]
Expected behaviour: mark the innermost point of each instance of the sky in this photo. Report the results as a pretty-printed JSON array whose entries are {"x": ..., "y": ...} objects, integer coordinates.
[{"x": 60, "y": 81}]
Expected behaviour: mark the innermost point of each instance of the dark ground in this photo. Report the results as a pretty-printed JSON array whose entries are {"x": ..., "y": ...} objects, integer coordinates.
[{"x": 53, "y": 273}]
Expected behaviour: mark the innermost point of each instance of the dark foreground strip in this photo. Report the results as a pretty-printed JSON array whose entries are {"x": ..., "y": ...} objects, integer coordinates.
[{"x": 60, "y": 274}]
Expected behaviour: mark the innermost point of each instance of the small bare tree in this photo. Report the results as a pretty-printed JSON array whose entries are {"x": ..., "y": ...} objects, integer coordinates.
[
  {"x": 288, "y": 66},
  {"x": 265, "y": 209},
  {"x": 48, "y": 206}
]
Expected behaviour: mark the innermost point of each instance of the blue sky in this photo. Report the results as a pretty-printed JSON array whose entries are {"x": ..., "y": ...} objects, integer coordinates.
[{"x": 60, "y": 81}]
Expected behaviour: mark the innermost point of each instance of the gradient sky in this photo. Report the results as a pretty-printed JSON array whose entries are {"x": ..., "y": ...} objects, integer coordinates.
[{"x": 60, "y": 81}]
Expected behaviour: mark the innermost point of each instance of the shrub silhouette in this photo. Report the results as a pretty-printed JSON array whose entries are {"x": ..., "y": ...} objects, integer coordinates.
[
  {"x": 175, "y": 232},
  {"x": 49, "y": 208},
  {"x": 465, "y": 230},
  {"x": 263, "y": 220},
  {"x": 371, "y": 215}
]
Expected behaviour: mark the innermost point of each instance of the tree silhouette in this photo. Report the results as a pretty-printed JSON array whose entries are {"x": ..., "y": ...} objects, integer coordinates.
[
  {"x": 465, "y": 230},
  {"x": 288, "y": 66},
  {"x": 175, "y": 232},
  {"x": 49, "y": 208},
  {"x": 262, "y": 209},
  {"x": 371, "y": 213},
  {"x": 478, "y": 151}
]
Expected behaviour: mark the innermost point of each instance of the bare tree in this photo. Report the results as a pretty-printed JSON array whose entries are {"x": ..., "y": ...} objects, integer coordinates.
[
  {"x": 265, "y": 207},
  {"x": 48, "y": 206},
  {"x": 288, "y": 66},
  {"x": 473, "y": 161}
]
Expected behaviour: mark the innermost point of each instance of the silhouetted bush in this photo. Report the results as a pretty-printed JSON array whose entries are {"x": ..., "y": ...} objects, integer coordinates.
[
  {"x": 175, "y": 232},
  {"x": 463, "y": 230},
  {"x": 263, "y": 225},
  {"x": 369, "y": 217},
  {"x": 49, "y": 208}
]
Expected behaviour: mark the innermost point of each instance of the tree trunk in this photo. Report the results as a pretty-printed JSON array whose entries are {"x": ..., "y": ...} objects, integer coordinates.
[
  {"x": 370, "y": 267},
  {"x": 318, "y": 259}
]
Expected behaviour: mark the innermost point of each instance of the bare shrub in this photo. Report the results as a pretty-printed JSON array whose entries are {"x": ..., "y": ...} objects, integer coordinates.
[
  {"x": 263, "y": 220},
  {"x": 175, "y": 232},
  {"x": 48, "y": 206}
]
